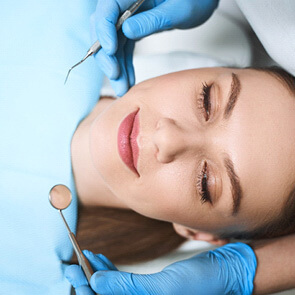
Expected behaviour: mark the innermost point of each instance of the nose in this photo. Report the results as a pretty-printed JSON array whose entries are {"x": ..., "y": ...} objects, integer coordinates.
[{"x": 172, "y": 140}]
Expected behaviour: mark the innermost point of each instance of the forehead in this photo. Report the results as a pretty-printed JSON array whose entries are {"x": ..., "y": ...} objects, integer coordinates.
[{"x": 263, "y": 148}]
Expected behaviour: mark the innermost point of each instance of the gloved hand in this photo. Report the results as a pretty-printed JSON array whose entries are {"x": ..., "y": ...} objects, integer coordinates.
[
  {"x": 226, "y": 270},
  {"x": 153, "y": 16}
]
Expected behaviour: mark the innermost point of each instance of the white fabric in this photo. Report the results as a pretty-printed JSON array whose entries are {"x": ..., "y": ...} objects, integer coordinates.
[
  {"x": 221, "y": 37},
  {"x": 274, "y": 23}
]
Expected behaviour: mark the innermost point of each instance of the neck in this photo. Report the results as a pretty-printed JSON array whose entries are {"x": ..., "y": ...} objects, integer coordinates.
[{"x": 91, "y": 188}]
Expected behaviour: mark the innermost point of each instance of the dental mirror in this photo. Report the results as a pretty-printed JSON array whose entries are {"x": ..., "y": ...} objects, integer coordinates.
[{"x": 60, "y": 197}]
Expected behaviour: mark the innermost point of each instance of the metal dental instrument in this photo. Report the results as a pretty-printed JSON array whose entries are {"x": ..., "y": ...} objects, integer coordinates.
[
  {"x": 96, "y": 46},
  {"x": 60, "y": 198}
]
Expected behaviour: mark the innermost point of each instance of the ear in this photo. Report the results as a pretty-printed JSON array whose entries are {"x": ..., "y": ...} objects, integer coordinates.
[{"x": 194, "y": 234}]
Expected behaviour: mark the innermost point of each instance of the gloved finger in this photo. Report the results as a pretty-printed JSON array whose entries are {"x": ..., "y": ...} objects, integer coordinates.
[
  {"x": 121, "y": 85},
  {"x": 84, "y": 290},
  {"x": 99, "y": 261},
  {"x": 104, "y": 23},
  {"x": 125, "y": 60},
  {"x": 129, "y": 49},
  {"x": 168, "y": 15},
  {"x": 75, "y": 276},
  {"x": 105, "y": 19},
  {"x": 108, "y": 64},
  {"x": 243, "y": 257},
  {"x": 115, "y": 282},
  {"x": 150, "y": 21}
]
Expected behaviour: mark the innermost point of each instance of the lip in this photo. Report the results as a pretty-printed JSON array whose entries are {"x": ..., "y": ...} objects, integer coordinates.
[{"x": 127, "y": 144}]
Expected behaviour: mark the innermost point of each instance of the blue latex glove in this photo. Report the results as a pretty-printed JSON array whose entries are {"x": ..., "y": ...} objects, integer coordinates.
[
  {"x": 226, "y": 270},
  {"x": 154, "y": 16}
]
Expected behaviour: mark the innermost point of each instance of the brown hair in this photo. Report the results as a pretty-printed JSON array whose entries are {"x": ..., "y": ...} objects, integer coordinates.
[
  {"x": 284, "y": 224},
  {"x": 287, "y": 79},
  {"x": 124, "y": 236}
]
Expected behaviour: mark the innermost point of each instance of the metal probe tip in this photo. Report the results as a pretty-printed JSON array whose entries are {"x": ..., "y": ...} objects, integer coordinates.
[
  {"x": 67, "y": 76},
  {"x": 96, "y": 46},
  {"x": 87, "y": 55}
]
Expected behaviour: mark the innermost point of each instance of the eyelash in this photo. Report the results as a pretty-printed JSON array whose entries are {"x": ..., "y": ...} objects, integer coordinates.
[
  {"x": 203, "y": 185},
  {"x": 204, "y": 100}
]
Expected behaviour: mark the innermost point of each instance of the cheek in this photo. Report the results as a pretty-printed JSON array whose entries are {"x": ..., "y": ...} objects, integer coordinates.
[
  {"x": 164, "y": 194},
  {"x": 165, "y": 96}
]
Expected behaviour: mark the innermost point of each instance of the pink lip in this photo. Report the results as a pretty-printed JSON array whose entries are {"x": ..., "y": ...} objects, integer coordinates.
[{"x": 127, "y": 145}]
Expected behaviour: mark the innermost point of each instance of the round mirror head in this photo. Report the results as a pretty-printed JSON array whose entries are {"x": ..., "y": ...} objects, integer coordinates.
[{"x": 60, "y": 197}]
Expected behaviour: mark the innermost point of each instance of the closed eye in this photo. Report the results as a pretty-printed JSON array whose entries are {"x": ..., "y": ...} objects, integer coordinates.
[
  {"x": 202, "y": 184},
  {"x": 204, "y": 101}
]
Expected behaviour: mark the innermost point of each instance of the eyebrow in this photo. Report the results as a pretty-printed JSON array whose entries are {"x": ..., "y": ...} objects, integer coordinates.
[
  {"x": 236, "y": 189},
  {"x": 233, "y": 96}
]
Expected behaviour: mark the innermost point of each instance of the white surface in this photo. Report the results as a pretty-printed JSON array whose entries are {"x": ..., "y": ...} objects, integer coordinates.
[
  {"x": 188, "y": 249},
  {"x": 274, "y": 23},
  {"x": 220, "y": 38}
]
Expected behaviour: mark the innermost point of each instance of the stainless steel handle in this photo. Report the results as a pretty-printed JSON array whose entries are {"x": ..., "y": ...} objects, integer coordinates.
[{"x": 81, "y": 258}]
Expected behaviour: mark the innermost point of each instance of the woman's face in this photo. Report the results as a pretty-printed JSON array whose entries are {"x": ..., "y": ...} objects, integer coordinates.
[{"x": 215, "y": 148}]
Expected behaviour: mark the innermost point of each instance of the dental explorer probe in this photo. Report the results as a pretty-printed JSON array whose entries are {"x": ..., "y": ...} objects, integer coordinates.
[
  {"x": 60, "y": 197},
  {"x": 96, "y": 46}
]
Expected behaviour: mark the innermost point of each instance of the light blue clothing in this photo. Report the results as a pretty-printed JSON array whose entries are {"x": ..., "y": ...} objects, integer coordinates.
[{"x": 39, "y": 42}]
